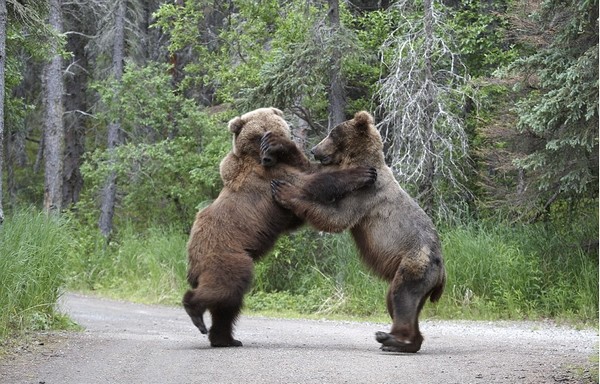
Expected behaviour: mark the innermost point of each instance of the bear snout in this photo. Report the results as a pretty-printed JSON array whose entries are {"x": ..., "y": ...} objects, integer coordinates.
[
  {"x": 319, "y": 156},
  {"x": 267, "y": 161}
]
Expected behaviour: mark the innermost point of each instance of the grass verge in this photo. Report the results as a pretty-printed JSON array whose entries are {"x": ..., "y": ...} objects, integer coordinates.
[
  {"x": 494, "y": 272},
  {"x": 32, "y": 271}
]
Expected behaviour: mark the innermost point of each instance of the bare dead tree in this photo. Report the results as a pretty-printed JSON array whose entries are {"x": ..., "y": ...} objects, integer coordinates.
[
  {"x": 53, "y": 118},
  {"x": 419, "y": 101}
]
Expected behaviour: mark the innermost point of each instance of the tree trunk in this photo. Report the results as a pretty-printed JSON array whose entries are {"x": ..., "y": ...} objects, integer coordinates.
[
  {"x": 75, "y": 119},
  {"x": 109, "y": 192},
  {"x": 426, "y": 191},
  {"x": 337, "y": 99},
  {"x": 53, "y": 120},
  {"x": 3, "y": 17}
]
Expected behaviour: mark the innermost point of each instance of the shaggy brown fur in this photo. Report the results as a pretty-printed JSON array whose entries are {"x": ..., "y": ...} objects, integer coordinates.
[
  {"x": 395, "y": 237},
  {"x": 242, "y": 224}
]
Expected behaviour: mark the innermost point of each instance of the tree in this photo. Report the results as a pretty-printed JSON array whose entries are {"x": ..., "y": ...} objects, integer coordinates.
[
  {"x": 419, "y": 100},
  {"x": 337, "y": 102},
  {"x": 560, "y": 109},
  {"x": 109, "y": 191},
  {"x": 80, "y": 26},
  {"x": 53, "y": 120}
]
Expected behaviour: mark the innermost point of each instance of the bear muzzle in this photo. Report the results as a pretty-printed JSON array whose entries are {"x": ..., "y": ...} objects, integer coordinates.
[{"x": 321, "y": 157}]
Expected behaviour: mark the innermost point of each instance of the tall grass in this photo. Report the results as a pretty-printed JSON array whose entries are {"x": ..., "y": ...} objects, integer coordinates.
[
  {"x": 495, "y": 271},
  {"x": 319, "y": 274},
  {"x": 32, "y": 270},
  {"x": 147, "y": 267}
]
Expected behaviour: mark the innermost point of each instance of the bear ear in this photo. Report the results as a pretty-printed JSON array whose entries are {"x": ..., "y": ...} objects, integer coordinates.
[
  {"x": 235, "y": 125},
  {"x": 277, "y": 111},
  {"x": 363, "y": 119}
]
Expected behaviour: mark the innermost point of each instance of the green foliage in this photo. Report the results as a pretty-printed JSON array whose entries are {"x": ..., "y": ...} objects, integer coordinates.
[
  {"x": 32, "y": 271},
  {"x": 234, "y": 53},
  {"x": 563, "y": 109},
  {"x": 495, "y": 271},
  {"x": 481, "y": 36},
  {"x": 19, "y": 46},
  {"x": 182, "y": 23},
  {"x": 269, "y": 53},
  {"x": 322, "y": 271},
  {"x": 146, "y": 105},
  {"x": 523, "y": 271},
  {"x": 146, "y": 267},
  {"x": 169, "y": 175}
]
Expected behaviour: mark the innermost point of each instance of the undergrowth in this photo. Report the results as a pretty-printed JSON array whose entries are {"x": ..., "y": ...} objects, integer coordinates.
[
  {"x": 495, "y": 271},
  {"x": 33, "y": 255}
]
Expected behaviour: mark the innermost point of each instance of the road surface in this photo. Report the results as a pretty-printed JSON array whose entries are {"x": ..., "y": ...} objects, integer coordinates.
[{"x": 134, "y": 343}]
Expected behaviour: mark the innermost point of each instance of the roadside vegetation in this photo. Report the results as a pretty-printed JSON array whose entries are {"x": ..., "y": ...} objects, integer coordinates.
[
  {"x": 34, "y": 249},
  {"x": 496, "y": 270}
]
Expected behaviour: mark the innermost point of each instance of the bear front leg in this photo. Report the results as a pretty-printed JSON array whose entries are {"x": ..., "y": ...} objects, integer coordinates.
[
  {"x": 276, "y": 149},
  {"x": 328, "y": 187},
  {"x": 325, "y": 199},
  {"x": 325, "y": 187}
]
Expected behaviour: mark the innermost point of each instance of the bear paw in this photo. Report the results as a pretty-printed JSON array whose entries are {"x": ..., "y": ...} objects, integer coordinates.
[
  {"x": 270, "y": 146},
  {"x": 282, "y": 192},
  {"x": 391, "y": 344},
  {"x": 225, "y": 344},
  {"x": 367, "y": 177}
]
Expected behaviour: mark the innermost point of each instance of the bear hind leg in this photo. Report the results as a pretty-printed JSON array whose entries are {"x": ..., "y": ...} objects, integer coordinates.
[
  {"x": 405, "y": 301},
  {"x": 223, "y": 319}
]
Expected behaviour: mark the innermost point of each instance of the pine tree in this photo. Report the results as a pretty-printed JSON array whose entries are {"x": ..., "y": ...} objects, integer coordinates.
[{"x": 561, "y": 110}]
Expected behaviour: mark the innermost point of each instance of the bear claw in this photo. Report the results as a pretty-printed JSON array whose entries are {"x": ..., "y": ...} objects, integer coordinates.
[{"x": 278, "y": 192}]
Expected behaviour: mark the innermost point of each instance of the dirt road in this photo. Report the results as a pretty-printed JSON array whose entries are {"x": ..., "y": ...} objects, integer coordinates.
[{"x": 132, "y": 343}]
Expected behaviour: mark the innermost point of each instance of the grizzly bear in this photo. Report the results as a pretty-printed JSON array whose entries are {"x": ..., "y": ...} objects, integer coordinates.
[
  {"x": 243, "y": 223},
  {"x": 394, "y": 236}
]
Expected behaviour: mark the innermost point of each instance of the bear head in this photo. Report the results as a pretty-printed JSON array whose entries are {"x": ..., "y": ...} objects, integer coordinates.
[
  {"x": 249, "y": 129},
  {"x": 353, "y": 142}
]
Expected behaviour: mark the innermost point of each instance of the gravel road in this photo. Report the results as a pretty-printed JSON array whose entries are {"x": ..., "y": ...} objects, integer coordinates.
[{"x": 133, "y": 343}]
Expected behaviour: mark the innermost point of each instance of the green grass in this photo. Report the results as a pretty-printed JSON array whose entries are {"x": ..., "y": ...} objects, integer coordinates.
[
  {"x": 519, "y": 272},
  {"x": 148, "y": 267},
  {"x": 32, "y": 271},
  {"x": 495, "y": 271}
]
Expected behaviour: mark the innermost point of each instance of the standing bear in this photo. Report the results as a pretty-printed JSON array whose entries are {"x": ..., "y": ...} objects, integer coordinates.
[
  {"x": 394, "y": 236},
  {"x": 243, "y": 223}
]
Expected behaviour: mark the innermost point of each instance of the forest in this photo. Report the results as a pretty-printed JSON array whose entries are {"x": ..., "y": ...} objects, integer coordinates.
[{"x": 113, "y": 121}]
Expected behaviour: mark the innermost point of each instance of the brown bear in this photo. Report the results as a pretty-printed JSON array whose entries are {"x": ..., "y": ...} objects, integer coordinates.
[
  {"x": 242, "y": 224},
  {"x": 395, "y": 237}
]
